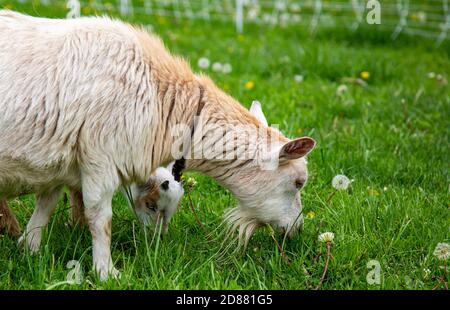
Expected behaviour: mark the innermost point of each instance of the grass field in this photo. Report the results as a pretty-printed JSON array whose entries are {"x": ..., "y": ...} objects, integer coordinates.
[{"x": 391, "y": 137}]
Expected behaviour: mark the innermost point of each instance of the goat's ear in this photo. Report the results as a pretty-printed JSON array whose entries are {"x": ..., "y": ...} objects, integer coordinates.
[
  {"x": 148, "y": 187},
  {"x": 257, "y": 112},
  {"x": 170, "y": 166},
  {"x": 297, "y": 148}
]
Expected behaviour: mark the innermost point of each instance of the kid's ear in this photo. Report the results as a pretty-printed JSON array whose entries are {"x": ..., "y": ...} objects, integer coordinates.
[
  {"x": 170, "y": 166},
  {"x": 148, "y": 187},
  {"x": 257, "y": 112},
  {"x": 297, "y": 148}
]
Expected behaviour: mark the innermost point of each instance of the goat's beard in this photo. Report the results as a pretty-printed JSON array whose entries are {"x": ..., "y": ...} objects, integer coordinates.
[
  {"x": 238, "y": 221},
  {"x": 241, "y": 225}
]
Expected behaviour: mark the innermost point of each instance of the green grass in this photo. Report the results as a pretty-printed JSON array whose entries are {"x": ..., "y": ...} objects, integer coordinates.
[{"x": 394, "y": 134}]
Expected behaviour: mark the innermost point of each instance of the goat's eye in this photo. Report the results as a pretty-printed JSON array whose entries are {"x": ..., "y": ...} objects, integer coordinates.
[
  {"x": 151, "y": 206},
  {"x": 165, "y": 185},
  {"x": 299, "y": 184}
]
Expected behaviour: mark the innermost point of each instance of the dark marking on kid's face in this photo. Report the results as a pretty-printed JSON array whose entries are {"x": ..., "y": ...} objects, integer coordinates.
[{"x": 165, "y": 185}]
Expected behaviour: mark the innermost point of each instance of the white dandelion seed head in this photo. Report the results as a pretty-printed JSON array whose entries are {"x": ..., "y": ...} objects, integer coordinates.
[
  {"x": 422, "y": 16},
  {"x": 296, "y": 18},
  {"x": 298, "y": 78},
  {"x": 203, "y": 63},
  {"x": 285, "y": 59},
  {"x": 269, "y": 18},
  {"x": 326, "y": 237},
  {"x": 226, "y": 68},
  {"x": 431, "y": 75},
  {"x": 285, "y": 18},
  {"x": 340, "y": 182},
  {"x": 280, "y": 6},
  {"x": 295, "y": 7},
  {"x": 426, "y": 272},
  {"x": 253, "y": 13},
  {"x": 217, "y": 67},
  {"x": 342, "y": 89},
  {"x": 442, "y": 251},
  {"x": 191, "y": 182}
]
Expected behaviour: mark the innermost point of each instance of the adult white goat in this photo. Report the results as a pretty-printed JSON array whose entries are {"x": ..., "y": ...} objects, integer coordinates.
[{"x": 92, "y": 103}]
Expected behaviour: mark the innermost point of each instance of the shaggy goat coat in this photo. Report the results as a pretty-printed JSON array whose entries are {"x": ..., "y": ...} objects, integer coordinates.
[{"x": 91, "y": 103}]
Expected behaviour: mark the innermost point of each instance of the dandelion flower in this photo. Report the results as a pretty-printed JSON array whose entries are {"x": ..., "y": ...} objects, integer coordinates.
[
  {"x": 426, "y": 273},
  {"x": 422, "y": 16},
  {"x": 295, "y": 7},
  {"x": 365, "y": 75},
  {"x": 442, "y": 251},
  {"x": 285, "y": 19},
  {"x": 217, "y": 67},
  {"x": 340, "y": 182},
  {"x": 285, "y": 59},
  {"x": 280, "y": 6},
  {"x": 203, "y": 63},
  {"x": 252, "y": 14},
  {"x": 249, "y": 85},
  {"x": 226, "y": 68},
  {"x": 440, "y": 78},
  {"x": 162, "y": 20},
  {"x": 326, "y": 237},
  {"x": 298, "y": 78},
  {"x": 310, "y": 215},
  {"x": 295, "y": 18},
  {"x": 191, "y": 182},
  {"x": 342, "y": 89},
  {"x": 86, "y": 10},
  {"x": 372, "y": 191}
]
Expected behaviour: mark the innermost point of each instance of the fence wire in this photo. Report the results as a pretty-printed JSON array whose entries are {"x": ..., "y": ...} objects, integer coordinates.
[{"x": 429, "y": 19}]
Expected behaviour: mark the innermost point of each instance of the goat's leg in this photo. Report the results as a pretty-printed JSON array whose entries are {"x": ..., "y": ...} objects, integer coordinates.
[
  {"x": 8, "y": 221},
  {"x": 45, "y": 205},
  {"x": 97, "y": 198},
  {"x": 77, "y": 216}
]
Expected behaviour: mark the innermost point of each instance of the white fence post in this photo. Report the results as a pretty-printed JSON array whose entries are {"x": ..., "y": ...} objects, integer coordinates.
[
  {"x": 148, "y": 6},
  {"x": 446, "y": 25},
  {"x": 126, "y": 8},
  {"x": 403, "y": 11},
  {"x": 316, "y": 16},
  {"x": 205, "y": 9},
  {"x": 74, "y": 9},
  {"x": 359, "y": 11},
  {"x": 240, "y": 16}
]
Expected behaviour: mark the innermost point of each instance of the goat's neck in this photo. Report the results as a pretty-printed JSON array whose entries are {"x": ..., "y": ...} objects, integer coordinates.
[{"x": 223, "y": 146}]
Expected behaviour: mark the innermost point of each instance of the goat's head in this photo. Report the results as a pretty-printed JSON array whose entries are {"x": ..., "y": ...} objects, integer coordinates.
[
  {"x": 268, "y": 189},
  {"x": 156, "y": 201}
]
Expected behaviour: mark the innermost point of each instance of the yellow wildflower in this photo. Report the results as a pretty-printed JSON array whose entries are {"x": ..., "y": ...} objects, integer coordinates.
[
  {"x": 86, "y": 10},
  {"x": 365, "y": 75},
  {"x": 162, "y": 20},
  {"x": 249, "y": 85},
  {"x": 372, "y": 192},
  {"x": 310, "y": 215}
]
